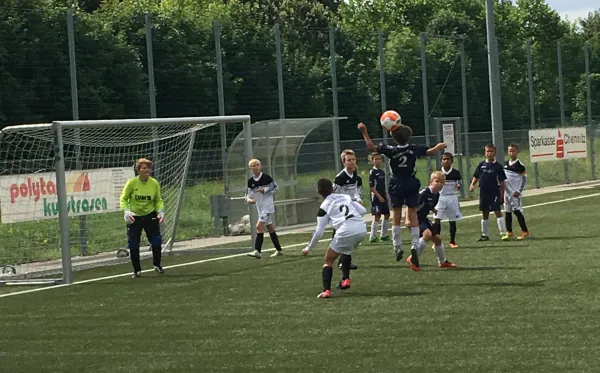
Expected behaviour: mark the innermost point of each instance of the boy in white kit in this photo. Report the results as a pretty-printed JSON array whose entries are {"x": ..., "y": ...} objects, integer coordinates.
[
  {"x": 346, "y": 217},
  {"x": 260, "y": 192},
  {"x": 516, "y": 178},
  {"x": 448, "y": 206}
]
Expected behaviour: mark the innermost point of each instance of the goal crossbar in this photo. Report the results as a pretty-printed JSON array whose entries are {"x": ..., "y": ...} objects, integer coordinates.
[{"x": 151, "y": 121}]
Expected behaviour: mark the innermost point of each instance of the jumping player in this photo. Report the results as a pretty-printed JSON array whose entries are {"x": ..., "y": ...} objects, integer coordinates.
[
  {"x": 346, "y": 217},
  {"x": 404, "y": 185},
  {"x": 379, "y": 200},
  {"x": 490, "y": 175},
  {"x": 143, "y": 209},
  {"x": 348, "y": 182},
  {"x": 428, "y": 199},
  {"x": 448, "y": 206},
  {"x": 260, "y": 193},
  {"x": 515, "y": 183}
]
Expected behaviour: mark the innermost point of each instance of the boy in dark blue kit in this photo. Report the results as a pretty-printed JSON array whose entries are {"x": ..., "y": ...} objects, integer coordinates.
[
  {"x": 379, "y": 200},
  {"x": 490, "y": 175},
  {"x": 404, "y": 185}
]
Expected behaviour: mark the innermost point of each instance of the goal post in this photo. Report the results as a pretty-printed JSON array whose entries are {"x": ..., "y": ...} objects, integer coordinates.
[{"x": 63, "y": 171}]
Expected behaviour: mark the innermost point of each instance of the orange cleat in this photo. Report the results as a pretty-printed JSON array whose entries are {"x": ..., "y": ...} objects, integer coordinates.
[
  {"x": 453, "y": 245},
  {"x": 523, "y": 235},
  {"x": 325, "y": 294},
  {"x": 446, "y": 264},
  {"x": 510, "y": 234},
  {"x": 344, "y": 284}
]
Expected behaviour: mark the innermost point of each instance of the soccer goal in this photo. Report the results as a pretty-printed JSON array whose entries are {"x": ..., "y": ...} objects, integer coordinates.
[{"x": 60, "y": 185}]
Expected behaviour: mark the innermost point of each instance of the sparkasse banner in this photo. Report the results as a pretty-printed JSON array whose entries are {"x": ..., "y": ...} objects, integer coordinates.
[
  {"x": 30, "y": 197},
  {"x": 557, "y": 143}
]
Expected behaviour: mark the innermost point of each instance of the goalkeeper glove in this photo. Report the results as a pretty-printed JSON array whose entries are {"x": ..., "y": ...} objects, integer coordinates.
[
  {"x": 161, "y": 217},
  {"x": 129, "y": 218}
]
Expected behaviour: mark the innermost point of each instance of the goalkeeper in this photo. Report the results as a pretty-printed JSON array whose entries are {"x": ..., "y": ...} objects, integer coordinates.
[{"x": 143, "y": 210}]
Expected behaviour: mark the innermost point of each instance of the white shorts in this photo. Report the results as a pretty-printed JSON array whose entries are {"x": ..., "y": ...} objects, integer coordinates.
[
  {"x": 448, "y": 208},
  {"x": 512, "y": 203},
  {"x": 266, "y": 218},
  {"x": 345, "y": 245}
]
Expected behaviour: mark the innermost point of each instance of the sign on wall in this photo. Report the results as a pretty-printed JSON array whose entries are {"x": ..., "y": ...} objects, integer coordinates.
[
  {"x": 557, "y": 143},
  {"x": 30, "y": 197},
  {"x": 448, "y": 137}
]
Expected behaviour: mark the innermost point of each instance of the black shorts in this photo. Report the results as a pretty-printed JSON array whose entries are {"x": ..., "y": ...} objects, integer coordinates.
[
  {"x": 148, "y": 223},
  {"x": 425, "y": 225},
  {"x": 404, "y": 192},
  {"x": 380, "y": 208},
  {"x": 489, "y": 200}
]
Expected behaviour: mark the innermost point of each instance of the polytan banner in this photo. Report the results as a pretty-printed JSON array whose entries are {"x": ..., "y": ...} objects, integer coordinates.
[
  {"x": 30, "y": 197},
  {"x": 557, "y": 143},
  {"x": 448, "y": 137}
]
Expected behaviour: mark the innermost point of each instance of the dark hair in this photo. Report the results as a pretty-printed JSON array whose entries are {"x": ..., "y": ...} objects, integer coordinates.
[
  {"x": 514, "y": 145},
  {"x": 324, "y": 187},
  {"x": 490, "y": 146},
  {"x": 448, "y": 155},
  {"x": 402, "y": 134}
]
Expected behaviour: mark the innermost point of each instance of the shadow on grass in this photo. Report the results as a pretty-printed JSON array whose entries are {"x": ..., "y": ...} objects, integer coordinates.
[
  {"x": 526, "y": 284},
  {"x": 387, "y": 294}
]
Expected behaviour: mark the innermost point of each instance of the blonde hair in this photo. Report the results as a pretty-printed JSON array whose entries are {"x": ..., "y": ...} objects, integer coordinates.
[
  {"x": 345, "y": 153},
  {"x": 252, "y": 161},
  {"x": 141, "y": 161},
  {"x": 437, "y": 175}
]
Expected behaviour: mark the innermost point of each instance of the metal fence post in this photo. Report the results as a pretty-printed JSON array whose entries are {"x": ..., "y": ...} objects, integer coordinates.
[
  {"x": 425, "y": 97},
  {"x": 588, "y": 88},
  {"x": 334, "y": 92},
  {"x": 152, "y": 92},
  {"x": 221, "y": 98},
  {"x": 561, "y": 96},
  {"x": 383, "y": 98},
  {"x": 532, "y": 105},
  {"x": 463, "y": 76}
]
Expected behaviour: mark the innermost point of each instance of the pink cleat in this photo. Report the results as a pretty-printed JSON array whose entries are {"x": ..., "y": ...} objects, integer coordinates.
[
  {"x": 344, "y": 284},
  {"x": 325, "y": 294}
]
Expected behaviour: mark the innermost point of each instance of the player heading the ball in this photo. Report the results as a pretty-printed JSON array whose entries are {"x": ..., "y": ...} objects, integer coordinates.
[
  {"x": 404, "y": 185},
  {"x": 346, "y": 217},
  {"x": 260, "y": 193},
  {"x": 143, "y": 209}
]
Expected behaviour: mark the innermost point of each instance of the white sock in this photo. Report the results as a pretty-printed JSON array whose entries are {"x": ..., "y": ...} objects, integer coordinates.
[
  {"x": 441, "y": 253},
  {"x": 414, "y": 237},
  {"x": 385, "y": 228},
  {"x": 485, "y": 225},
  {"x": 421, "y": 246},
  {"x": 396, "y": 239},
  {"x": 374, "y": 229},
  {"x": 501, "y": 225}
]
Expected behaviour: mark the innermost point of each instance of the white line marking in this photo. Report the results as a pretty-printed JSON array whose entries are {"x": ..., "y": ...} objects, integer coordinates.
[{"x": 244, "y": 254}]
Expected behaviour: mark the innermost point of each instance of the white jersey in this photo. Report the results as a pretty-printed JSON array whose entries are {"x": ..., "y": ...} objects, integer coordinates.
[
  {"x": 264, "y": 201},
  {"x": 453, "y": 179},
  {"x": 343, "y": 214},
  {"x": 515, "y": 176}
]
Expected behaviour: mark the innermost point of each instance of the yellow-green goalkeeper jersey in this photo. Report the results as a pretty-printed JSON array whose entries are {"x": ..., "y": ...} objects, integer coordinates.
[{"x": 142, "y": 198}]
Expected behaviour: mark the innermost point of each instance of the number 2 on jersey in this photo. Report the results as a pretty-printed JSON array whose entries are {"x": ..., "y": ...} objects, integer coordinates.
[
  {"x": 344, "y": 209},
  {"x": 402, "y": 161}
]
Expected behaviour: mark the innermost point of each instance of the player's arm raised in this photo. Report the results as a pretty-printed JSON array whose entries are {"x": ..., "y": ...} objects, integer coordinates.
[
  {"x": 439, "y": 147},
  {"x": 370, "y": 144}
]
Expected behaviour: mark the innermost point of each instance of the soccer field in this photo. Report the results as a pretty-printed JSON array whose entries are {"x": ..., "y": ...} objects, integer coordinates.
[{"x": 517, "y": 306}]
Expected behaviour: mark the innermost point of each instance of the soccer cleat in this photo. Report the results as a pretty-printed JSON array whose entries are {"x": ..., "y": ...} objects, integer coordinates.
[
  {"x": 375, "y": 240},
  {"x": 276, "y": 254},
  {"x": 399, "y": 253},
  {"x": 523, "y": 236},
  {"x": 510, "y": 234},
  {"x": 504, "y": 237},
  {"x": 344, "y": 284},
  {"x": 159, "y": 270},
  {"x": 136, "y": 274},
  {"x": 453, "y": 245},
  {"x": 386, "y": 238},
  {"x": 255, "y": 254},
  {"x": 324, "y": 294},
  {"x": 446, "y": 264},
  {"x": 414, "y": 260},
  {"x": 483, "y": 238}
]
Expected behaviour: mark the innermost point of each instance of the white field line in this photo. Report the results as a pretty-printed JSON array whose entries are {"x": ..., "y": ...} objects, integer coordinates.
[{"x": 244, "y": 254}]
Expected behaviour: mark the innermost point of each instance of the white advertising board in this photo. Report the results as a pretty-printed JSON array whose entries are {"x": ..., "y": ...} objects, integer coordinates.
[{"x": 557, "y": 143}]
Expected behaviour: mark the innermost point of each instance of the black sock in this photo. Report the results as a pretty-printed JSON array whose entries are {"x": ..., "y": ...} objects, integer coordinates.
[
  {"x": 156, "y": 255},
  {"x": 327, "y": 275},
  {"x": 346, "y": 260},
  {"x": 452, "y": 232},
  {"x": 259, "y": 241},
  {"x": 521, "y": 219},
  {"x": 135, "y": 259},
  {"x": 275, "y": 240},
  {"x": 333, "y": 234},
  {"x": 438, "y": 226},
  {"x": 508, "y": 220}
]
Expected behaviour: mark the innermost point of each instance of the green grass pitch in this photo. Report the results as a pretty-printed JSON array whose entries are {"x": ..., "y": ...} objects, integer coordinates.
[{"x": 517, "y": 306}]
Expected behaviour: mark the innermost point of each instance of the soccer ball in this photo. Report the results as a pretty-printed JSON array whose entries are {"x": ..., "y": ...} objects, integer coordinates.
[{"x": 390, "y": 120}]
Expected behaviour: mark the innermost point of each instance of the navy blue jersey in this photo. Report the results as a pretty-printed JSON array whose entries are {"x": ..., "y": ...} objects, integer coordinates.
[
  {"x": 490, "y": 175},
  {"x": 403, "y": 158},
  {"x": 377, "y": 180},
  {"x": 427, "y": 202}
]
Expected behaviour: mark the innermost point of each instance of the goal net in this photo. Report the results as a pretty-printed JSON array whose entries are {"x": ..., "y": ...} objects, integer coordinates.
[{"x": 60, "y": 186}]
